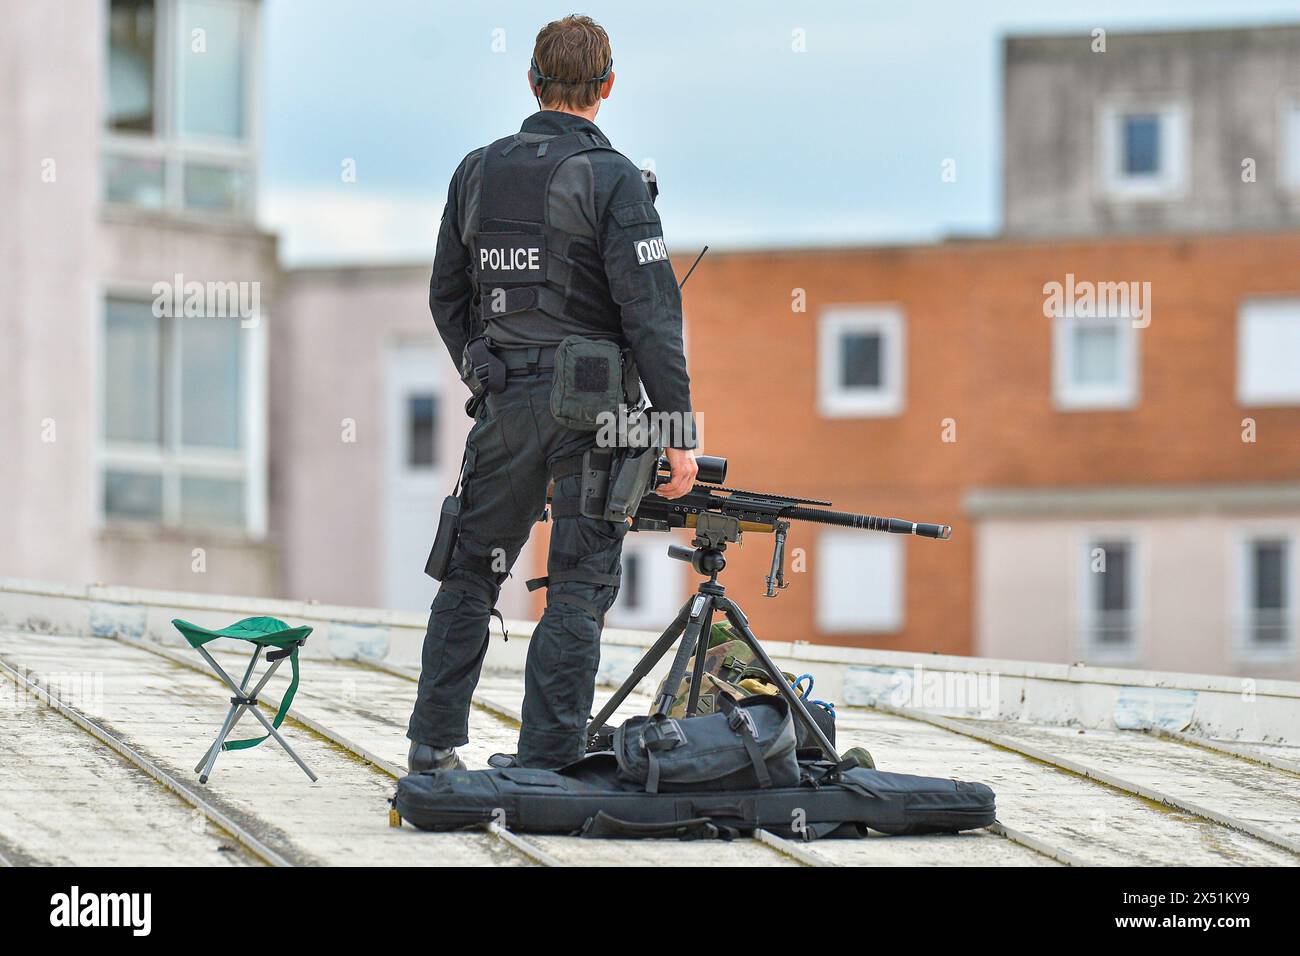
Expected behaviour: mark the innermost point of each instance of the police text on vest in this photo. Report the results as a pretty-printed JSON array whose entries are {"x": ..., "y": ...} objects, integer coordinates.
[{"x": 518, "y": 259}]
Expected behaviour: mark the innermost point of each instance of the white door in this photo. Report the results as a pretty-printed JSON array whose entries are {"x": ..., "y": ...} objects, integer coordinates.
[
  {"x": 420, "y": 472},
  {"x": 426, "y": 428}
]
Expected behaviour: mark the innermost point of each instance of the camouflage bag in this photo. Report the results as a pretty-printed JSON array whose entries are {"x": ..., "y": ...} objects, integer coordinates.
[{"x": 732, "y": 670}]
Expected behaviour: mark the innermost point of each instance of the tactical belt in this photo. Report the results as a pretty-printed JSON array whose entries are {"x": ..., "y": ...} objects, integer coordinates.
[{"x": 531, "y": 359}]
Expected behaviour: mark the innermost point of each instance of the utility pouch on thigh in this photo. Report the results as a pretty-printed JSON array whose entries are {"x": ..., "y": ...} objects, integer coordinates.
[
  {"x": 588, "y": 382},
  {"x": 444, "y": 539}
]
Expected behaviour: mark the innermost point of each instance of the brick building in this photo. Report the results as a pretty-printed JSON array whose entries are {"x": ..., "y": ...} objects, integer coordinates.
[
  {"x": 927, "y": 382},
  {"x": 1104, "y": 402}
]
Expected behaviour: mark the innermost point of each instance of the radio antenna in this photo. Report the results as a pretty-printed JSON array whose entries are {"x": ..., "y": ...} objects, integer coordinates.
[{"x": 692, "y": 268}]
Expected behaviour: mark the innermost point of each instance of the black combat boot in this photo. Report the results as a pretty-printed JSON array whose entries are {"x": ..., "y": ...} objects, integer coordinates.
[{"x": 422, "y": 758}]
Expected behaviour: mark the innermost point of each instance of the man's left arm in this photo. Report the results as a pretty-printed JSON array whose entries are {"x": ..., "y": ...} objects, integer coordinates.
[
  {"x": 642, "y": 283},
  {"x": 451, "y": 293}
]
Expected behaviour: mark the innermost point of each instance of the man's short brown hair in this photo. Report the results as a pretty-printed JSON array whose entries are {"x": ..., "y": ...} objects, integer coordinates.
[{"x": 573, "y": 50}]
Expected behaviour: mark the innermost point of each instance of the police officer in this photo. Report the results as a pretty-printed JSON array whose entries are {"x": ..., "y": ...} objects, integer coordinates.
[{"x": 547, "y": 234}]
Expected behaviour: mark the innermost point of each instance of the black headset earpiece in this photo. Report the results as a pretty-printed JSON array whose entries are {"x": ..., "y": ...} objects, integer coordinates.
[{"x": 536, "y": 77}]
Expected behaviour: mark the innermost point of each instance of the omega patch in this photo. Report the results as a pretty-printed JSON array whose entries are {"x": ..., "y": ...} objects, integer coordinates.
[{"x": 650, "y": 250}]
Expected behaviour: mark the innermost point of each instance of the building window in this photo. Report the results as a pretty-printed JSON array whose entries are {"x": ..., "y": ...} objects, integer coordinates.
[
  {"x": 177, "y": 123},
  {"x": 1268, "y": 352},
  {"x": 422, "y": 430},
  {"x": 1266, "y": 602},
  {"x": 1109, "y": 606},
  {"x": 1290, "y": 158},
  {"x": 131, "y": 41},
  {"x": 860, "y": 361},
  {"x": 181, "y": 431},
  {"x": 650, "y": 587},
  {"x": 1094, "y": 362},
  {"x": 1144, "y": 150},
  {"x": 859, "y": 583}
]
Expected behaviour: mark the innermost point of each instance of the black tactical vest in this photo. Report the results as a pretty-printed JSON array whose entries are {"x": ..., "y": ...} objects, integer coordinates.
[{"x": 518, "y": 255}]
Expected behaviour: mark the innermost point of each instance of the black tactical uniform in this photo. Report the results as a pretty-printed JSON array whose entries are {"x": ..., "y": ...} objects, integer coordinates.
[{"x": 546, "y": 234}]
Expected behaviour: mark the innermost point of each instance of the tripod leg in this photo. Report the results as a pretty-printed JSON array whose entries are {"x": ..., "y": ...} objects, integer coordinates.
[
  {"x": 738, "y": 621},
  {"x": 643, "y": 667},
  {"x": 701, "y": 651},
  {"x": 699, "y": 612}
]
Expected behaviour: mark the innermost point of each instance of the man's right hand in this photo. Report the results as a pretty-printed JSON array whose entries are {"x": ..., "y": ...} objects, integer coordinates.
[{"x": 682, "y": 469}]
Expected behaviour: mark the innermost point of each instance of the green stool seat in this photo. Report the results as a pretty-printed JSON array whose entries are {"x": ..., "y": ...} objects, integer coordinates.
[{"x": 279, "y": 641}]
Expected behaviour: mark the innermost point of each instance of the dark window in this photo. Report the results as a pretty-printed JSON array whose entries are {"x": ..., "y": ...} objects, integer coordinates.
[
  {"x": 1268, "y": 596},
  {"x": 1112, "y": 595},
  {"x": 1141, "y": 144},
  {"x": 630, "y": 589},
  {"x": 422, "y": 431},
  {"x": 133, "y": 496},
  {"x": 861, "y": 360},
  {"x": 131, "y": 66}
]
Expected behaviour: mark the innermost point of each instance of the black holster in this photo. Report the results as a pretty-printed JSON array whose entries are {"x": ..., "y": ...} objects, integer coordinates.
[{"x": 483, "y": 366}]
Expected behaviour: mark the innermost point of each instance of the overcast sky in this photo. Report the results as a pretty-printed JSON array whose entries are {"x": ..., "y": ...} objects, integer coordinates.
[{"x": 754, "y": 144}]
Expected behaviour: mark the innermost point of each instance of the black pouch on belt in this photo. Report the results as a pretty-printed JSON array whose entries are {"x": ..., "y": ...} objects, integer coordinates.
[{"x": 588, "y": 382}]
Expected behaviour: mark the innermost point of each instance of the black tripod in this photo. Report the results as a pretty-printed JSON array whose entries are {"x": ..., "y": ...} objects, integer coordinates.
[{"x": 692, "y": 626}]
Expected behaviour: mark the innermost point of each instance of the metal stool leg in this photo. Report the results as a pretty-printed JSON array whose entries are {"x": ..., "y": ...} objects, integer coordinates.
[
  {"x": 237, "y": 711},
  {"x": 221, "y": 738},
  {"x": 204, "y": 767},
  {"x": 281, "y": 741}
]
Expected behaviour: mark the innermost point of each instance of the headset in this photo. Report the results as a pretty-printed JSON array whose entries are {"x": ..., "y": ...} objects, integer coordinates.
[{"x": 536, "y": 77}]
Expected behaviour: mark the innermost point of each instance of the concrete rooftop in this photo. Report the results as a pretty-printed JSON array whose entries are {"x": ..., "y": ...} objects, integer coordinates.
[{"x": 105, "y": 712}]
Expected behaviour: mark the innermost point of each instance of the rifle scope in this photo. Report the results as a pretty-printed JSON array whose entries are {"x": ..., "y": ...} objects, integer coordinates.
[{"x": 712, "y": 469}]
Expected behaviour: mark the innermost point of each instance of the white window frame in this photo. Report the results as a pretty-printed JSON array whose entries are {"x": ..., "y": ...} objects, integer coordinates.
[
  {"x": 1243, "y": 649},
  {"x": 1087, "y": 647},
  {"x": 895, "y": 619},
  {"x": 1246, "y": 395},
  {"x": 166, "y": 142},
  {"x": 1070, "y": 396},
  {"x": 170, "y": 461},
  {"x": 836, "y": 401},
  {"x": 1288, "y": 148},
  {"x": 1175, "y": 143}
]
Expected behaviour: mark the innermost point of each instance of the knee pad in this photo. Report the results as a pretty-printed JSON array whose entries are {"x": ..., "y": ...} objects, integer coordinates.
[{"x": 473, "y": 575}]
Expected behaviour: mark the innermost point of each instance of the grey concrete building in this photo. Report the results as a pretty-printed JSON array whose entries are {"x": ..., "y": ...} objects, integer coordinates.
[
  {"x": 183, "y": 412},
  {"x": 137, "y": 287},
  {"x": 1185, "y": 131}
]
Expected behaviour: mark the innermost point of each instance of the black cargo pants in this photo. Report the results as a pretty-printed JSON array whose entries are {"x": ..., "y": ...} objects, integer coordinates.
[{"x": 509, "y": 453}]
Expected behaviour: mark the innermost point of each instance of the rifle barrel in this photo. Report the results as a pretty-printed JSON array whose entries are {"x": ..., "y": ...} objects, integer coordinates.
[{"x": 847, "y": 519}]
